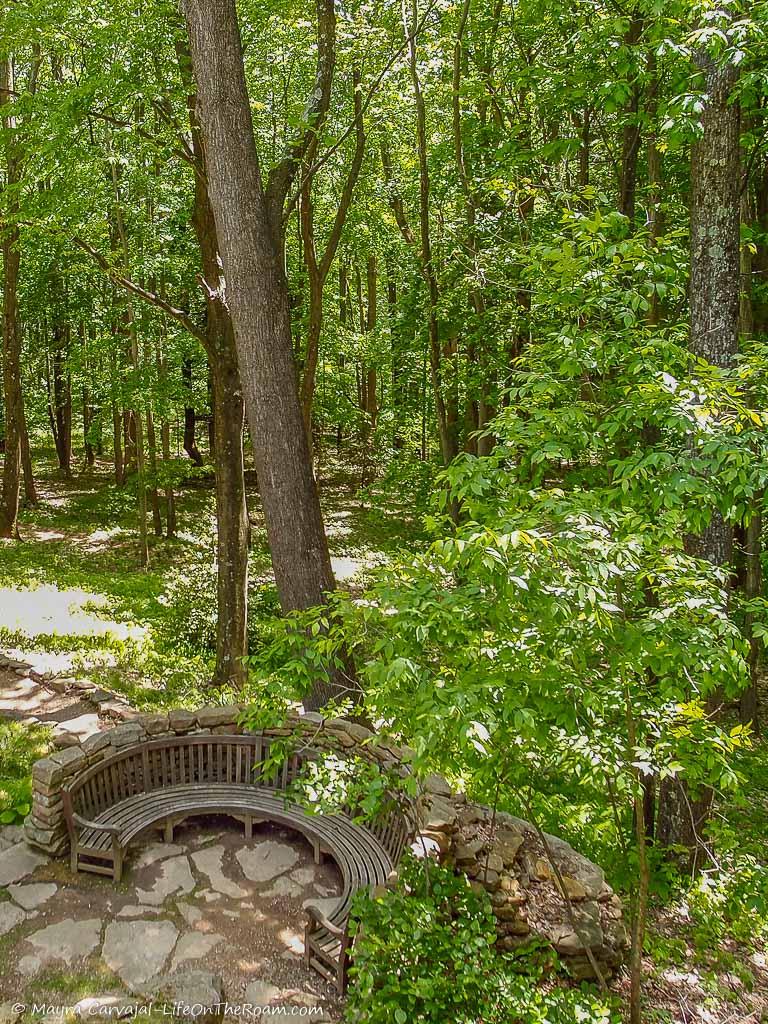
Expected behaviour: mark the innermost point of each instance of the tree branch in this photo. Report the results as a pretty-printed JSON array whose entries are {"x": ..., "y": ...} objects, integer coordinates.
[
  {"x": 349, "y": 184},
  {"x": 283, "y": 174},
  {"x": 151, "y": 297}
]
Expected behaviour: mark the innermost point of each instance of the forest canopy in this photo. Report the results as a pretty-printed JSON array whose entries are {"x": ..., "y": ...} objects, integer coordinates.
[{"x": 409, "y": 358}]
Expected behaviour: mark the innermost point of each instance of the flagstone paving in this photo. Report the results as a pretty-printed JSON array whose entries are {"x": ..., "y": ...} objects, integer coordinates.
[
  {"x": 210, "y": 913},
  {"x": 138, "y": 950},
  {"x": 265, "y": 861},
  {"x": 18, "y": 862},
  {"x": 208, "y": 862},
  {"x": 30, "y": 897},
  {"x": 68, "y": 940}
]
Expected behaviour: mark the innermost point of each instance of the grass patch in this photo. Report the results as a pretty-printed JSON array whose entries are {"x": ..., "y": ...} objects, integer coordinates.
[{"x": 20, "y": 746}]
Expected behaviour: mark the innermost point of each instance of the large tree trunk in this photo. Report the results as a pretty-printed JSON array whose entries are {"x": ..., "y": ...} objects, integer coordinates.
[
  {"x": 257, "y": 296},
  {"x": 11, "y": 327},
  {"x": 232, "y": 524},
  {"x": 714, "y": 302}
]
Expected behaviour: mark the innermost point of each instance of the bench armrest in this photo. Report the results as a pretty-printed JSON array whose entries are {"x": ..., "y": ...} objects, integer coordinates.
[
  {"x": 318, "y": 917},
  {"x": 111, "y": 830}
]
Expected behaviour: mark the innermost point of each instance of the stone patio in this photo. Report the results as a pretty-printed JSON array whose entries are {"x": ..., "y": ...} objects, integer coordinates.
[{"x": 209, "y": 915}]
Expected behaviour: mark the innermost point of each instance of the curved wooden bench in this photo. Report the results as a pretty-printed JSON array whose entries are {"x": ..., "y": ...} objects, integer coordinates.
[{"x": 160, "y": 783}]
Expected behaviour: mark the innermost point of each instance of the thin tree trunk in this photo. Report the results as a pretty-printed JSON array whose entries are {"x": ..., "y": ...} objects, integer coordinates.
[
  {"x": 190, "y": 416},
  {"x": 30, "y": 491},
  {"x": 438, "y": 356},
  {"x": 11, "y": 325},
  {"x": 154, "y": 497},
  {"x": 165, "y": 443},
  {"x": 135, "y": 416},
  {"x": 631, "y": 136},
  {"x": 117, "y": 444},
  {"x": 318, "y": 266}
]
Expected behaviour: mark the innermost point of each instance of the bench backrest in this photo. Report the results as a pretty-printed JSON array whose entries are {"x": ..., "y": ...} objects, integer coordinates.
[
  {"x": 176, "y": 761},
  {"x": 202, "y": 760}
]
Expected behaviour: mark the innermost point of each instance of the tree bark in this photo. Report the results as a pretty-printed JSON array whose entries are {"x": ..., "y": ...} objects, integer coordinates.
[
  {"x": 714, "y": 306},
  {"x": 631, "y": 135},
  {"x": 257, "y": 295},
  {"x": 232, "y": 524},
  {"x": 190, "y": 417},
  {"x": 62, "y": 399},
  {"x": 30, "y": 491},
  {"x": 11, "y": 324}
]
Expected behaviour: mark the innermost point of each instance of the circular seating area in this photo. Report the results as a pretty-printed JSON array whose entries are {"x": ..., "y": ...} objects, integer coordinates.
[{"x": 161, "y": 782}]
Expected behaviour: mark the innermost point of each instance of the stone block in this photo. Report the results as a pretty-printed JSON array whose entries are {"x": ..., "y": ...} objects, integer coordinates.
[
  {"x": 437, "y": 785},
  {"x": 181, "y": 721},
  {"x": 213, "y": 716},
  {"x": 154, "y": 724},
  {"x": 48, "y": 816},
  {"x": 507, "y": 845},
  {"x": 574, "y": 890},
  {"x": 311, "y": 718},
  {"x": 59, "y": 766},
  {"x": 440, "y": 815},
  {"x": 53, "y": 841},
  {"x": 62, "y": 740},
  {"x": 51, "y": 799},
  {"x": 126, "y": 735},
  {"x": 95, "y": 742}
]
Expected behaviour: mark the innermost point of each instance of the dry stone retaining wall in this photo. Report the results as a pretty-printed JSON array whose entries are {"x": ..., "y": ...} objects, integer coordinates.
[{"x": 539, "y": 886}]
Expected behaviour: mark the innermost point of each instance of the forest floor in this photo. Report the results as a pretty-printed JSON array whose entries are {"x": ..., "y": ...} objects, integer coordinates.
[
  {"x": 73, "y": 592},
  {"x": 75, "y": 603}
]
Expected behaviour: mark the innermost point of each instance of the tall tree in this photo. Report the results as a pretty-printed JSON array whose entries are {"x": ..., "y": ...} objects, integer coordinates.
[
  {"x": 714, "y": 333},
  {"x": 249, "y": 228},
  {"x": 12, "y": 394}
]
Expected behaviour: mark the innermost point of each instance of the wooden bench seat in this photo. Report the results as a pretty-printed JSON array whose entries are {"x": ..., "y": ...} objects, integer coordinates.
[{"x": 160, "y": 783}]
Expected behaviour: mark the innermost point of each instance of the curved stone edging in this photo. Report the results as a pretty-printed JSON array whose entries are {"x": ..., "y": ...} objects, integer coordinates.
[{"x": 500, "y": 854}]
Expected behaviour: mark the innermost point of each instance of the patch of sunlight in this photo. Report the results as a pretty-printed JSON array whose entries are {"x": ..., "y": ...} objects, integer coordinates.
[
  {"x": 49, "y": 535},
  {"x": 292, "y": 941},
  {"x": 99, "y": 539},
  {"x": 345, "y": 568},
  {"x": 48, "y": 610}
]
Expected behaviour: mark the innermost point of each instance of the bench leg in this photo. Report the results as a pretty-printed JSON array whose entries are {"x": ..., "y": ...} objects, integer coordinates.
[
  {"x": 341, "y": 974},
  {"x": 318, "y": 852},
  {"x": 74, "y": 862},
  {"x": 168, "y": 829},
  {"x": 117, "y": 861},
  {"x": 248, "y": 822},
  {"x": 307, "y": 950}
]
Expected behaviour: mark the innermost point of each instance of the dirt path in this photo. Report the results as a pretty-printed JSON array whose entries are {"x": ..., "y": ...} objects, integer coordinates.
[{"x": 73, "y": 709}]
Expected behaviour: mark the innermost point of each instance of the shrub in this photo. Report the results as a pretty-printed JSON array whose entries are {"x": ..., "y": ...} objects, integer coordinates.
[
  {"x": 20, "y": 746},
  {"x": 425, "y": 955}
]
